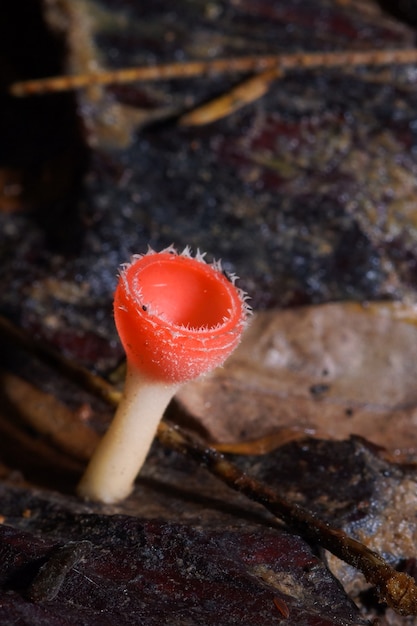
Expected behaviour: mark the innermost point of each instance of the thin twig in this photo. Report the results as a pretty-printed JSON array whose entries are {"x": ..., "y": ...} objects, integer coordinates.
[
  {"x": 397, "y": 589},
  {"x": 192, "y": 69}
]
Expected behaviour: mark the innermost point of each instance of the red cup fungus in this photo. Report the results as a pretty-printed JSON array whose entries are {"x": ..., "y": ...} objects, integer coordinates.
[{"x": 177, "y": 317}]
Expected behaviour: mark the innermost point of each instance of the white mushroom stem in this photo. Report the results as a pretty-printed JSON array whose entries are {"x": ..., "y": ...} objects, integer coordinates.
[{"x": 122, "y": 451}]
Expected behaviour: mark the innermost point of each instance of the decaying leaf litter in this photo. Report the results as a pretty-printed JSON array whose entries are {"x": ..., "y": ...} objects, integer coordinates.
[{"x": 389, "y": 271}]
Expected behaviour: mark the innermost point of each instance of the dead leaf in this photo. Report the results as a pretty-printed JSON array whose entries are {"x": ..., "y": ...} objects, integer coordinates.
[
  {"x": 48, "y": 417},
  {"x": 335, "y": 370}
]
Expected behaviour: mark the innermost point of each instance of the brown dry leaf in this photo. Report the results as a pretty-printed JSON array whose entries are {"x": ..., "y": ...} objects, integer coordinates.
[
  {"x": 24, "y": 406},
  {"x": 332, "y": 370}
]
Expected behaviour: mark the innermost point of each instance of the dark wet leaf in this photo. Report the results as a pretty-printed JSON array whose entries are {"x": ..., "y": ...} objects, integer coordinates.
[{"x": 81, "y": 568}]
